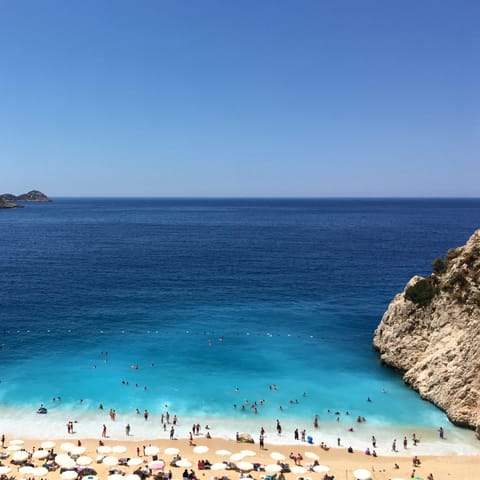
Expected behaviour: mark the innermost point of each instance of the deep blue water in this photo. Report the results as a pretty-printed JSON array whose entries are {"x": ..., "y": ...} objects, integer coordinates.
[{"x": 208, "y": 296}]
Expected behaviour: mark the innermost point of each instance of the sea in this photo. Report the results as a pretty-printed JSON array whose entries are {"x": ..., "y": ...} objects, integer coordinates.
[{"x": 231, "y": 313}]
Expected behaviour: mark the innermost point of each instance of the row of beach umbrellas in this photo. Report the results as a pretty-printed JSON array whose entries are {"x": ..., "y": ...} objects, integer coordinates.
[{"x": 75, "y": 457}]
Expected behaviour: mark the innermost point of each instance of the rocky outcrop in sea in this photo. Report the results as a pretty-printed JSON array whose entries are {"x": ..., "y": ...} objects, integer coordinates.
[
  {"x": 7, "y": 200},
  {"x": 431, "y": 333}
]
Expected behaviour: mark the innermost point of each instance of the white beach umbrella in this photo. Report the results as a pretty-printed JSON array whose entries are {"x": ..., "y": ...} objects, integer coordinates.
[
  {"x": 111, "y": 461},
  {"x": 273, "y": 468},
  {"x": 200, "y": 449},
  {"x": 103, "y": 449},
  {"x": 77, "y": 450},
  {"x": 362, "y": 474},
  {"x": 312, "y": 456},
  {"x": 115, "y": 476},
  {"x": 20, "y": 456},
  {"x": 4, "y": 470},
  {"x": 245, "y": 466},
  {"x": 298, "y": 469},
  {"x": 223, "y": 452},
  {"x": 26, "y": 470},
  {"x": 218, "y": 466},
  {"x": 67, "y": 446},
  {"x": 321, "y": 469},
  {"x": 183, "y": 463},
  {"x": 120, "y": 449},
  {"x": 16, "y": 442},
  {"x": 248, "y": 453},
  {"x": 84, "y": 460},
  {"x": 40, "y": 471},
  {"x": 277, "y": 456},
  {"x": 171, "y": 451},
  {"x": 48, "y": 444},
  {"x": 131, "y": 476},
  {"x": 69, "y": 475},
  {"x": 151, "y": 450},
  {"x": 62, "y": 457},
  {"x": 237, "y": 457},
  {"x": 135, "y": 461},
  {"x": 40, "y": 454},
  {"x": 69, "y": 463},
  {"x": 14, "y": 448}
]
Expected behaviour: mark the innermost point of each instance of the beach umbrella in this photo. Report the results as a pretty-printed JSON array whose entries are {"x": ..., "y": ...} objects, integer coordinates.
[
  {"x": 77, "y": 450},
  {"x": 156, "y": 465},
  {"x": 20, "y": 456},
  {"x": 248, "y": 453},
  {"x": 68, "y": 463},
  {"x": 218, "y": 466},
  {"x": 26, "y": 470},
  {"x": 183, "y": 463},
  {"x": 321, "y": 469},
  {"x": 69, "y": 475},
  {"x": 362, "y": 474},
  {"x": 40, "y": 454},
  {"x": 273, "y": 468},
  {"x": 298, "y": 469},
  {"x": 84, "y": 460},
  {"x": 103, "y": 449},
  {"x": 47, "y": 444},
  {"x": 122, "y": 449},
  {"x": 16, "y": 442},
  {"x": 237, "y": 456},
  {"x": 171, "y": 451},
  {"x": 135, "y": 461},
  {"x": 200, "y": 449},
  {"x": 14, "y": 448},
  {"x": 40, "y": 471},
  {"x": 110, "y": 461},
  {"x": 277, "y": 456},
  {"x": 245, "y": 466},
  {"x": 312, "y": 456},
  {"x": 223, "y": 452},
  {"x": 4, "y": 470},
  {"x": 67, "y": 446},
  {"x": 131, "y": 476},
  {"x": 151, "y": 450},
  {"x": 115, "y": 476}
]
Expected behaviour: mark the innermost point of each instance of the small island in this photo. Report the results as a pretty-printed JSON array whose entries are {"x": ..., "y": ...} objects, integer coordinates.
[{"x": 7, "y": 200}]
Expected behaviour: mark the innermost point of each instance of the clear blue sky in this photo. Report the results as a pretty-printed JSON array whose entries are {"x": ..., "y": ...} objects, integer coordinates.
[{"x": 240, "y": 98}]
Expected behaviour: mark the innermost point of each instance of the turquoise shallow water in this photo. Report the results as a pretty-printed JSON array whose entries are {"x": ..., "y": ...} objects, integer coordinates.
[{"x": 215, "y": 301}]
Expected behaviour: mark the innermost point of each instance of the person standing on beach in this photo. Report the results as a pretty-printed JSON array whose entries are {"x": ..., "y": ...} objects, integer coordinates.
[
  {"x": 394, "y": 445},
  {"x": 441, "y": 432},
  {"x": 172, "y": 433},
  {"x": 261, "y": 442},
  {"x": 104, "y": 431},
  {"x": 127, "y": 429}
]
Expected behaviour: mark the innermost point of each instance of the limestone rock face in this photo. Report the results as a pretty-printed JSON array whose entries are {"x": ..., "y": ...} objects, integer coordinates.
[{"x": 434, "y": 339}]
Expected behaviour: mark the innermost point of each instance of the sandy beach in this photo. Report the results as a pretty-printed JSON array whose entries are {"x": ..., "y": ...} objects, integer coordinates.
[{"x": 342, "y": 464}]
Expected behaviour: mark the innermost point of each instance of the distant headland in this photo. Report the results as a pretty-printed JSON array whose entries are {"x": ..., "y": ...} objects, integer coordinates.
[{"x": 7, "y": 200}]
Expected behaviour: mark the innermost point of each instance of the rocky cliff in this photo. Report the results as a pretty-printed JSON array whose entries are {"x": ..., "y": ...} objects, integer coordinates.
[
  {"x": 431, "y": 333},
  {"x": 7, "y": 200}
]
